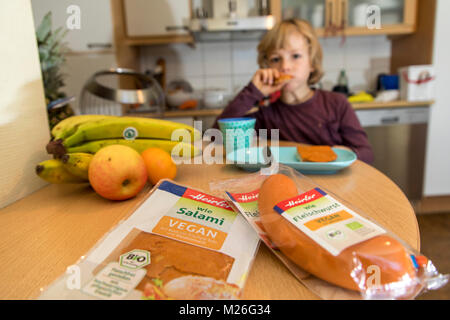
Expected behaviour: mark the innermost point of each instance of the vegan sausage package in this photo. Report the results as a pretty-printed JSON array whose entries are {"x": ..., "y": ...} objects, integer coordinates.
[
  {"x": 180, "y": 243},
  {"x": 330, "y": 246}
]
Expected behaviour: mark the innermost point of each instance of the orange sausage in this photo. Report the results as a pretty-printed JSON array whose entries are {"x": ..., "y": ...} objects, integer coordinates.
[
  {"x": 282, "y": 78},
  {"x": 382, "y": 251}
]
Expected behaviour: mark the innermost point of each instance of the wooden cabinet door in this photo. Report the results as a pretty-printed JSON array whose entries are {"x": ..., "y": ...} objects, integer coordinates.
[{"x": 156, "y": 17}]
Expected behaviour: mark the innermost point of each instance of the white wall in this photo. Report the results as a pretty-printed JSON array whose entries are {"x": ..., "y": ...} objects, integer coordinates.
[
  {"x": 24, "y": 129},
  {"x": 437, "y": 168}
]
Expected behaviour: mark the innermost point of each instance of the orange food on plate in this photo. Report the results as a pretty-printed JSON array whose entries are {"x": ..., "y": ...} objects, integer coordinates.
[
  {"x": 283, "y": 78},
  {"x": 316, "y": 153}
]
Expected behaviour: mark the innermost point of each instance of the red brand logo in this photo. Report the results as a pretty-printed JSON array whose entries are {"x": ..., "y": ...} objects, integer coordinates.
[
  {"x": 300, "y": 199},
  {"x": 246, "y": 197},
  {"x": 206, "y": 198}
]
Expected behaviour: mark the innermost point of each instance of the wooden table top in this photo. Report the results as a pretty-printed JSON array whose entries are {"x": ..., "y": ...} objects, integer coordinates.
[{"x": 49, "y": 230}]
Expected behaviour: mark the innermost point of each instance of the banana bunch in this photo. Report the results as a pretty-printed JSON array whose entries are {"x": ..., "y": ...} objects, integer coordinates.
[
  {"x": 71, "y": 168},
  {"x": 90, "y": 133}
]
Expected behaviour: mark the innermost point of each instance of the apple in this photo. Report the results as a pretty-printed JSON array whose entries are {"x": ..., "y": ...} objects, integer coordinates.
[{"x": 117, "y": 172}]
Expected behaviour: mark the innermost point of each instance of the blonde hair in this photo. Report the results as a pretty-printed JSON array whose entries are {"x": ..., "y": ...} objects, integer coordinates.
[{"x": 275, "y": 38}]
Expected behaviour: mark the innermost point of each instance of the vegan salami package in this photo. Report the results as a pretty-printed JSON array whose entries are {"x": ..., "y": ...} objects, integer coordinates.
[{"x": 180, "y": 243}]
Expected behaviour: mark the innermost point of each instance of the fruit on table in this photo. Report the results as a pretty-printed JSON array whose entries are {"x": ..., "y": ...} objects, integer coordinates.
[
  {"x": 126, "y": 127},
  {"x": 139, "y": 145},
  {"x": 77, "y": 163},
  {"x": 159, "y": 165},
  {"x": 68, "y": 126},
  {"x": 53, "y": 171},
  {"x": 117, "y": 172},
  {"x": 89, "y": 133}
]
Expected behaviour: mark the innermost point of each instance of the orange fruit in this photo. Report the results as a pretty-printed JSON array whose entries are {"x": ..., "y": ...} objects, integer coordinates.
[{"x": 159, "y": 165}]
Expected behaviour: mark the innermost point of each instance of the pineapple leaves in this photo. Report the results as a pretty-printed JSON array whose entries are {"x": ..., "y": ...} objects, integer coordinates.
[
  {"x": 51, "y": 55},
  {"x": 44, "y": 28}
]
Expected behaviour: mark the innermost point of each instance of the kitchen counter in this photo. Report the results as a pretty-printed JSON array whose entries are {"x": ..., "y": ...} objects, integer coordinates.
[
  {"x": 216, "y": 112},
  {"x": 49, "y": 230}
]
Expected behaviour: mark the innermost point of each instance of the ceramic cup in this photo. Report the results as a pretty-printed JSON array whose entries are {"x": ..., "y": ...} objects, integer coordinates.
[{"x": 237, "y": 133}]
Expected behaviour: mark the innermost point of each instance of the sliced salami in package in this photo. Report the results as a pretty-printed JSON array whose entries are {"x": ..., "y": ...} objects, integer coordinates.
[{"x": 180, "y": 243}]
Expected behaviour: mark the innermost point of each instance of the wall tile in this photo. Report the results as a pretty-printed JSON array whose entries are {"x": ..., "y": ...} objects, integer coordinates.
[
  {"x": 333, "y": 53},
  {"x": 380, "y": 47},
  {"x": 239, "y": 81},
  {"x": 216, "y": 58},
  {"x": 357, "y": 53},
  {"x": 189, "y": 61},
  {"x": 219, "y": 82},
  {"x": 244, "y": 57},
  {"x": 358, "y": 80}
]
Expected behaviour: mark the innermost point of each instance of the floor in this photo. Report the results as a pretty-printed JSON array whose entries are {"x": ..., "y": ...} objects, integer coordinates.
[{"x": 435, "y": 244}]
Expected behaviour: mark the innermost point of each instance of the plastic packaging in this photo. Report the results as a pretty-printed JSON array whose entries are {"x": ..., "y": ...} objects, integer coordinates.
[
  {"x": 179, "y": 243},
  {"x": 332, "y": 247}
]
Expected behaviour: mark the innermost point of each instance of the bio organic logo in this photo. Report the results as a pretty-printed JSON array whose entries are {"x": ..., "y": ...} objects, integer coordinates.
[
  {"x": 135, "y": 259},
  {"x": 130, "y": 133}
]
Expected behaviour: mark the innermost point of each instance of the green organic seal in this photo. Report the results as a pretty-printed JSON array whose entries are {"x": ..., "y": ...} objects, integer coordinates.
[{"x": 130, "y": 133}]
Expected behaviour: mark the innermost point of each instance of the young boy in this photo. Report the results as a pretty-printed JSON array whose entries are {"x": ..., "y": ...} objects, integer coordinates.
[{"x": 301, "y": 114}]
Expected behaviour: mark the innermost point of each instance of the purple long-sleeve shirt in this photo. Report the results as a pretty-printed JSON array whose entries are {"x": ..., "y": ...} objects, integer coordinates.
[{"x": 325, "y": 119}]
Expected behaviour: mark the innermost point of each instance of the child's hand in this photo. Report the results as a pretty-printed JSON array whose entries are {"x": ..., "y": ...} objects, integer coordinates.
[{"x": 264, "y": 80}]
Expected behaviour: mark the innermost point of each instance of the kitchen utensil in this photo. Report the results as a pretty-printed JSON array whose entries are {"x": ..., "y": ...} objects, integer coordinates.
[
  {"x": 317, "y": 16},
  {"x": 103, "y": 93},
  {"x": 178, "y": 92},
  {"x": 360, "y": 15}
]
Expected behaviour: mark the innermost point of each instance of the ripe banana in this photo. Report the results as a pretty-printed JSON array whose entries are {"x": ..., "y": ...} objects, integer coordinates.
[
  {"x": 68, "y": 126},
  {"x": 126, "y": 128},
  {"x": 53, "y": 171},
  {"x": 77, "y": 163},
  {"x": 138, "y": 144}
]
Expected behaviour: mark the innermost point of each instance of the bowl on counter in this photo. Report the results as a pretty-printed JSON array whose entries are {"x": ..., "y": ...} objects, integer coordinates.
[
  {"x": 175, "y": 98},
  {"x": 215, "y": 98},
  {"x": 180, "y": 92}
]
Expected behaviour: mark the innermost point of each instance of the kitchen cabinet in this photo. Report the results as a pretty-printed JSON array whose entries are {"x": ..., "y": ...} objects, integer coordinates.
[
  {"x": 155, "y": 22},
  {"x": 351, "y": 17}
]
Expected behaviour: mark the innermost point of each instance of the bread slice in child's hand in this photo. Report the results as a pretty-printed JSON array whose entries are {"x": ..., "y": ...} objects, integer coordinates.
[
  {"x": 316, "y": 153},
  {"x": 282, "y": 78}
]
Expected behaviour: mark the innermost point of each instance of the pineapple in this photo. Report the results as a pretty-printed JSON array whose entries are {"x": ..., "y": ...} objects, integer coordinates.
[{"x": 51, "y": 55}]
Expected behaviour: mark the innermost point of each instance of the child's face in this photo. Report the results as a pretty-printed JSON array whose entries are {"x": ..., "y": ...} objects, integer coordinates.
[{"x": 293, "y": 59}]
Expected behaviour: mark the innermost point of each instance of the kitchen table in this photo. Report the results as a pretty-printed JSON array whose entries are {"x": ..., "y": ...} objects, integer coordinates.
[{"x": 49, "y": 230}]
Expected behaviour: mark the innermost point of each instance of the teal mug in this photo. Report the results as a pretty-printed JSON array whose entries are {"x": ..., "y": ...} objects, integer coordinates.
[{"x": 237, "y": 133}]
